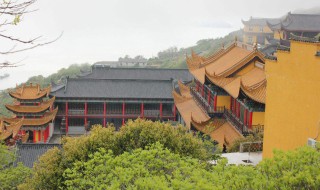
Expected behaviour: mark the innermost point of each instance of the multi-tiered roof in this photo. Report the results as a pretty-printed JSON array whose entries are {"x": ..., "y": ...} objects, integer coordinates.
[
  {"x": 30, "y": 106},
  {"x": 238, "y": 70}
]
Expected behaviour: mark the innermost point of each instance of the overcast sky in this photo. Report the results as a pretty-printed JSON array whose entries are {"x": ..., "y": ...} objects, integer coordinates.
[{"x": 98, "y": 30}]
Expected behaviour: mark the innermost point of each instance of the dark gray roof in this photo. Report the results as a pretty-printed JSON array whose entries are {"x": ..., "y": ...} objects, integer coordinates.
[
  {"x": 139, "y": 73},
  {"x": 108, "y": 88},
  {"x": 261, "y": 21},
  {"x": 29, "y": 153},
  {"x": 298, "y": 22},
  {"x": 269, "y": 49}
]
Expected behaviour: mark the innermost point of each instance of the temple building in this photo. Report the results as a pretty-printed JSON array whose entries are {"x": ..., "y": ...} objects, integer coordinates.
[
  {"x": 257, "y": 30},
  {"x": 227, "y": 97},
  {"x": 303, "y": 25},
  {"x": 291, "y": 118},
  {"x": 10, "y": 133},
  {"x": 34, "y": 111},
  {"x": 108, "y": 95}
]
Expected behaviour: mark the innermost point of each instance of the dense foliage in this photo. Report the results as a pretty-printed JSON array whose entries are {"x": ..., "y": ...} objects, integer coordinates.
[
  {"x": 48, "y": 173},
  {"x": 158, "y": 168},
  {"x": 11, "y": 176}
]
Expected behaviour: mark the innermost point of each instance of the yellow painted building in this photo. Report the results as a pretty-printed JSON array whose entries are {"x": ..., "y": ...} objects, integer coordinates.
[
  {"x": 228, "y": 93},
  {"x": 256, "y": 30},
  {"x": 293, "y": 96}
]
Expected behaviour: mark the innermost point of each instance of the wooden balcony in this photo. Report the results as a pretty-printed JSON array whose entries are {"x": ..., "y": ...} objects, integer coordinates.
[{"x": 201, "y": 101}]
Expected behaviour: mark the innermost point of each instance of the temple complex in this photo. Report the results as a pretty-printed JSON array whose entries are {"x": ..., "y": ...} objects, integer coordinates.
[
  {"x": 113, "y": 95},
  {"x": 303, "y": 25},
  {"x": 293, "y": 119},
  {"x": 257, "y": 30},
  {"x": 33, "y": 112},
  {"x": 9, "y": 133},
  {"x": 227, "y": 97}
]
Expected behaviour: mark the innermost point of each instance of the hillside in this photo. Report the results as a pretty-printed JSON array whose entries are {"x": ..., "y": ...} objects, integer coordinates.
[{"x": 174, "y": 58}]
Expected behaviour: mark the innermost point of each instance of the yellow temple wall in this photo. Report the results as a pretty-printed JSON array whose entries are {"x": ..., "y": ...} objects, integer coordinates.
[
  {"x": 292, "y": 103},
  {"x": 223, "y": 101},
  {"x": 256, "y": 29},
  {"x": 258, "y": 118}
]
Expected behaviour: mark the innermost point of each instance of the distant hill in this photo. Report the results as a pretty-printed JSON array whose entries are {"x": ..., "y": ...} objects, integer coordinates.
[{"x": 174, "y": 58}]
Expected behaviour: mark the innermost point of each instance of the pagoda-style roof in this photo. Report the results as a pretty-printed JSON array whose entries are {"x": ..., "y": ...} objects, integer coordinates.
[
  {"x": 252, "y": 83},
  {"x": 12, "y": 129},
  {"x": 260, "y": 21},
  {"x": 31, "y": 92},
  {"x": 188, "y": 109},
  {"x": 31, "y": 109},
  {"x": 297, "y": 22},
  {"x": 47, "y": 118},
  {"x": 225, "y": 134},
  {"x": 225, "y": 62}
]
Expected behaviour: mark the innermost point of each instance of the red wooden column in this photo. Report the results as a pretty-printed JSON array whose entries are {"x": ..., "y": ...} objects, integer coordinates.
[
  {"x": 142, "y": 110},
  {"x": 215, "y": 103},
  {"x": 202, "y": 90},
  {"x": 104, "y": 113},
  {"x": 34, "y": 136},
  {"x": 123, "y": 112},
  {"x": 160, "y": 110},
  {"x": 85, "y": 113},
  {"x": 197, "y": 87},
  {"x": 174, "y": 112},
  {"x": 250, "y": 120},
  {"x": 245, "y": 117},
  {"x": 67, "y": 119}
]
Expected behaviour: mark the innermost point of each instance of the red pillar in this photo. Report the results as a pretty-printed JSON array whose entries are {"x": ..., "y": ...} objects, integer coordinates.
[
  {"x": 202, "y": 90},
  {"x": 197, "y": 83},
  {"x": 142, "y": 110},
  {"x": 34, "y": 136},
  {"x": 160, "y": 110},
  {"x": 174, "y": 112},
  {"x": 104, "y": 113},
  {"x": 85, "y": 113},
  {"x": 215, "y": 103},
  {"x": 250, "y": 121},
  {"x": 245, "y": 117},
  {"x": 123, "y": 112},
  {"x": 67, "y": 122}
]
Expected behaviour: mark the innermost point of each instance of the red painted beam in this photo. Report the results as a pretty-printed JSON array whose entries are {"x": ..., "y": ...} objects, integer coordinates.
[
  {"x": 142, "y": 110},
  {"x": 160, "y": 110},
  {"x": 104, "y": 113},
  {"x": 215, "y": 103},
  {"x": 123, "y": 112},
  {"x": 67, "y": 123},
  {"x": 85, "y": 113}
]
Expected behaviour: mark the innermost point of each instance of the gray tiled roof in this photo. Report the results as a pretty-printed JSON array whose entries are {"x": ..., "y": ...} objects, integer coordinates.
[
  {"x": 108, "y": 88},
  {"x": 29, "y": 153},
  {"x": 139, "y": 73},
  {"x": 261, "y": 21},
  {"x": 298, "y": 22},
  {"x": 302, "y": 22}
]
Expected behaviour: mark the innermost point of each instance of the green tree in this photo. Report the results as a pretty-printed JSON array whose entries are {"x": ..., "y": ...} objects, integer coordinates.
[
  {"x": 11, "y": 176},
  {"x": 156, "y": 167},
  {"x": 134, "y": 135}
]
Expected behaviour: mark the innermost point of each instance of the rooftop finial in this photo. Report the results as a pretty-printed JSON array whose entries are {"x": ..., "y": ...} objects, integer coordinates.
[
  {"x": 235, "y": 38},
  {"x": 255, "y": 46},
  {"x": 222, "y": 45}
]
